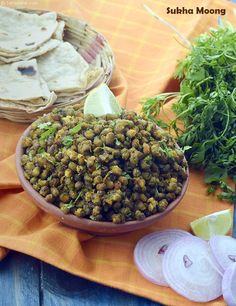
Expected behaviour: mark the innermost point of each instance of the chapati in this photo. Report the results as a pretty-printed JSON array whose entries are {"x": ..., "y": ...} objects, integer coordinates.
[
  {"x": 63, "y": 68},
  {"x": 22, "y": 81},
  {"x": 21, "y": 31}
]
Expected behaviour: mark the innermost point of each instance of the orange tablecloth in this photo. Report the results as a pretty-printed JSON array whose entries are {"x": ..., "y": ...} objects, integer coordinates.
[{"x": 146, "y": 55}]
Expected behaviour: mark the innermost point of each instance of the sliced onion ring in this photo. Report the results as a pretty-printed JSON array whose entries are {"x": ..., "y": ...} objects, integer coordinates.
[
  {"x": 224, "y": 250},
  {"x": 189, "y": 269},
  {"x": 149, "y": 251},
  {"x": 229, "y": 285}
]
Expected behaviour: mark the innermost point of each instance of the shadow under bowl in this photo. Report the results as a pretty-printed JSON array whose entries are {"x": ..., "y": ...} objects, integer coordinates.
[{"x": 100, "y": 228}]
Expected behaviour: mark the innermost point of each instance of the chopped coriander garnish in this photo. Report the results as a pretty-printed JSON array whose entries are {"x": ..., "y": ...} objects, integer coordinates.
[
  {"x": 41, "y": 150},
  {"x": 49, "y": 178},
  {"x": 75, "y": 129},
  {"x": 50, "y": 131},
  {"x": 67, "y": 141},
  {"x": 148, "y": 158},
  {"x": 44, "y": 125},
  {"x": 117, "y": 142}
]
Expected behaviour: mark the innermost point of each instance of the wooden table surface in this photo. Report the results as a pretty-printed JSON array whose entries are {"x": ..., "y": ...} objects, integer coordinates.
[{"x": 25, "y": 281}]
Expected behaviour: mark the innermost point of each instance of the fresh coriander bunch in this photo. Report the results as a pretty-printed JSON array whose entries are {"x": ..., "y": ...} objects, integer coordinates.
[{"x": 206, "y": 105}]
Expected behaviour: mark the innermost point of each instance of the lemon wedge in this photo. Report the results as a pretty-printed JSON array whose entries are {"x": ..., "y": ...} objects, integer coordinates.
[
  {"x": 101, "y": 101},
  {"x": 218, "y": 223}
]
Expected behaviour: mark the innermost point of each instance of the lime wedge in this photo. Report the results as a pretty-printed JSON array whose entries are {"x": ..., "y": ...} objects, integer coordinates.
[
  {"x": 218, "y": 223},
  {"x": 101, "y": 101}
]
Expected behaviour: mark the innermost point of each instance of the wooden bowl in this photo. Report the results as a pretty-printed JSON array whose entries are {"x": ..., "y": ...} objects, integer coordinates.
[{"x": 100, "y": 228}]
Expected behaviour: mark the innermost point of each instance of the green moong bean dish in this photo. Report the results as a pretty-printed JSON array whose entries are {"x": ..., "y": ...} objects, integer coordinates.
[{"x": 114, "y": 168}]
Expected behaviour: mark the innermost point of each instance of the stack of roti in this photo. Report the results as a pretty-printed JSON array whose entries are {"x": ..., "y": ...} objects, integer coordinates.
[
  {"x": 38, "y": 70},
  {"x": 22, "y": 88},
  {"x": 24, "y": 36}
]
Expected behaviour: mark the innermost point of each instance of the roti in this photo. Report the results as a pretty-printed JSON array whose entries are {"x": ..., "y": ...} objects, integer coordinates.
[
  {"x": 22, "y": 81},
  {"x": 59, "y": 33},
  {"x": 63, "y": 69},
  {"x": 21, "y": 32},
  {"x": 49, "y": 45},
  {"x": 13, "y": 106}
]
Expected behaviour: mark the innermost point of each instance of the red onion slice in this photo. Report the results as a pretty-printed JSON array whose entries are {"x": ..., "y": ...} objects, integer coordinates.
[
  {"x": 229, "y": 285},
  {"x": 149, "y": 252},
  {"x": 224, "y": 250},
  {"x": 189, "y": 269}
]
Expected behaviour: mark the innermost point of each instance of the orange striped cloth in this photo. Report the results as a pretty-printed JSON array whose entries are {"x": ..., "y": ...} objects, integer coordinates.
[{"x": 146, "y": 55}]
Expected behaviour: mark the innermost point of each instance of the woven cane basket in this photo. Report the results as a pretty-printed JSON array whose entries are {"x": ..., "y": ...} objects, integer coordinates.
[{"x": 92, "y": 46}]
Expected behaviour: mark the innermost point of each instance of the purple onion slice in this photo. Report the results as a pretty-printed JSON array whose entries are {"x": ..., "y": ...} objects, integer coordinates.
[
  {"x": 190, "y": 270},
  {"x": 229, "y": 285},
  {"x": 224, "y": 250},
  {"x": 149, "y": 252}
]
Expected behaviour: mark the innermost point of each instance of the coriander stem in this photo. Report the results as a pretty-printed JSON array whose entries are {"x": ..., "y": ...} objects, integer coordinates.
[
  {"x": 230, "y": 57},
  {"x": 185, "y": 41},
  {"x": 171, "y": 94},
  {"x": 227, "y": 122},
  {"x": 232, "y": 95},
  {"x": 202, "y": 81},
  {"x": 185, "y": 111}
]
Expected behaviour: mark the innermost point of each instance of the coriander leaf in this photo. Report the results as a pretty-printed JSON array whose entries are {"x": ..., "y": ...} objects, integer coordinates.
[
  {"x": 44, "y": 126},
  {"x": 126, "y": 175},
  {"x": 117, "y": 142},
  {"x": 41, "y": 150},
  {"x": 67, "y": 141},
  {"x": 214, "y": 173},
  {"x": 50, "y": 131},
  {"x": 69, "y": 205},
  {"x": 30, "y": 156},
  {"x": 198, "y": 75},
  {"x": 161, "y": 124},
  {"x": 148, "y": 158},
  {"x": 49, "y": 178},
  {"x": 75, "y": 129},
  {"x": 227, "y": 196},
  {"x": 78, "y": 196},
  {"x": 186, "y": 148},
  {"x": 211, "y": 189},
  {"x": 98, "y": 166}
]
